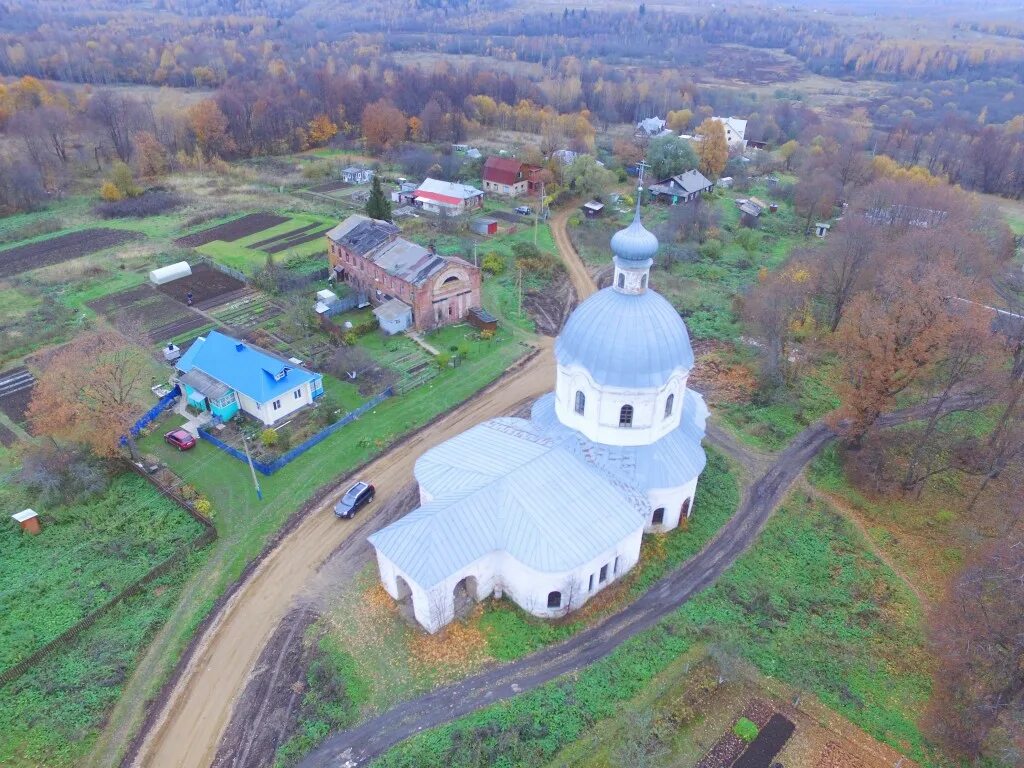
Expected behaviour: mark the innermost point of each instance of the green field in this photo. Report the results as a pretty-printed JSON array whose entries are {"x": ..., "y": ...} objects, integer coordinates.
[
  {"x": 239, "y": 255},
  {"x": 86, "y": 554}
]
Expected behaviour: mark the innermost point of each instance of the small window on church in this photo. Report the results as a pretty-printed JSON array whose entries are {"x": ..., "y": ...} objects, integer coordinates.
[
  {"x": 622, "y": 280},
  {"x": 581, "y": 402},
  {"x": 554, "y": 599},
  {"x": 626, "y": 416},
  {"x": 668, "y": 405},
  {"x": 659, "y": 516}
]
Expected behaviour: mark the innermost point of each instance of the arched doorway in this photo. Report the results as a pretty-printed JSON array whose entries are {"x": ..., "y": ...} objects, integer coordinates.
[
  {"x": 465, "y": 594},
  {"x": 685, "y": 511},
  {"x": 658, "y": 517},
  {"x": 404, "y": 599}
]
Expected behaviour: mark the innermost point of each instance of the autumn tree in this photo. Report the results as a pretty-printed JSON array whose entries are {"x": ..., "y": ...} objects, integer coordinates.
[
  {"x": 151, "y": 158},
  {"x": 91, "y": 392},
  {"x": 772, "y": 310},
  {"x": 384, "y": 126},
  {"x": 713, "y": 148},
  {"x": 210, "y": 128},
  {"x": 814, "y": 196},
  {"x": 679, "y": 119},
  {"x": 321, "y": 130},
  {"x": 977, "y": 633},
  {"x": 843, "y": 267},
  {"x": 889, "y": 337},
  {"x": 119, "y": 116},
  {"x": 378, "y": 206},
  {"x": 670, "y": 155},
  {"x": 787, "y": 151}
]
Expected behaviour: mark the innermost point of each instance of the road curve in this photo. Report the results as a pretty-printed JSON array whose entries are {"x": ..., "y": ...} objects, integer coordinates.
[
  {"x": 581, "y": 280},
  {"x": 198, "y": 708},
  {"x": 358, "y": 746}
]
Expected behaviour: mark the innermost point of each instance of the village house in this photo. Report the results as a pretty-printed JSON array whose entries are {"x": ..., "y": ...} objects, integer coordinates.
[
  {"x": 224, "y": 375},
  {"x": 650, "y": 127},
  {"x": 735, "y": 131},
  {"x": 551, "y": 509},
  {"x": 682, "y": 188},
  {"x": 508, "y": 176},
  {"x": 434, "y": 196},
  {"x": 369, "y": 255},
  {"x": 357, "y": 175}
]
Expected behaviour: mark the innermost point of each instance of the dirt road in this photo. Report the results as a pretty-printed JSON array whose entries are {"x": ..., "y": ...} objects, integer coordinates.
[
  {"x": 578, "y": 273},
  {"x": 187, "y": 732}
]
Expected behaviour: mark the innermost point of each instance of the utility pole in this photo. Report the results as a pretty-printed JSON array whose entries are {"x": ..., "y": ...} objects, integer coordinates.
[
  {"x": 252, "y": 469},
  {"x": 519, "y": 289}
]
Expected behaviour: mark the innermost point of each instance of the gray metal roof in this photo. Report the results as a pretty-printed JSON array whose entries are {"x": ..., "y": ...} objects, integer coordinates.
[
  {"x": 392, "y": 310},
  {"x": 204, "y": 383},
  {"x": 361, "y": 234},
  {"x": 494, "y": 488},
  {"x": 687, "y": 183},
  {"x": 626, "y": 340}
]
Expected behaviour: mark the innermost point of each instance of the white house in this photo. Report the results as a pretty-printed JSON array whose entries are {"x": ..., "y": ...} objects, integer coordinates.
[
  {"x": 735, "y": 131},
  {"x": 550, "y": 510},
  {"x": 224, "y": 375},
  {"x": 357, "y": 175},
  {"x": 651, "y": 126},
  {"x": 434, "y": 195}
]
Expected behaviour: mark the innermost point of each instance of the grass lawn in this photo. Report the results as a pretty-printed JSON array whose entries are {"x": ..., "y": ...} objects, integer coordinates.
[
  {"x": 238, "y": 255},
  {"x": 86, "y": 554},
  {"x": 53, "y": 713},
  {"x": 808, "y": 605}
]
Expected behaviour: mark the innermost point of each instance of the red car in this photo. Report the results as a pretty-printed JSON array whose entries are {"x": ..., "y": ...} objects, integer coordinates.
[{"x": 180, "y": 439}]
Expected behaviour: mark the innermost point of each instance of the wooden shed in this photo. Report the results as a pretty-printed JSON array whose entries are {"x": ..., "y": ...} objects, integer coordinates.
[
  {"x": 482, "y": 319},
  {"x": 28, "y": 520},
  {"x": 593, "y": 209}
]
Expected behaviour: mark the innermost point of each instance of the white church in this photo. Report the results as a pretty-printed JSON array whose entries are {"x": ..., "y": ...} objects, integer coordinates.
[{"x": 550, "y": 510}]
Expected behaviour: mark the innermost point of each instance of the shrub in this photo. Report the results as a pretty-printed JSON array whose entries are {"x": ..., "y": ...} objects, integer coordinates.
[
  {"x": 463, "y": 350},
  {"x": 745, "y": 729},
  {"x": 110, "y": 193},
  {"x": 269, "y": 438},
  {"x": 443, "y": 360},
  {"x": 711, "y": 250},
  {"x": 493, "y": 264},
  {"x": 486, "y": 334},
  {"x": 188, "y": 492},
  {"x": 204, "y": 506}
]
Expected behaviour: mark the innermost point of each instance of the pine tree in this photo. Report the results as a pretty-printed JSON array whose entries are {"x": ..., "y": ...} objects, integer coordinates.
[{"x": 378, "y": 206}]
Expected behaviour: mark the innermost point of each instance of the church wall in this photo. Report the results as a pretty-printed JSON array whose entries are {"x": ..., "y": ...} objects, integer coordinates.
[
  {"x": 600, "y": 420},
  {"x": 671, "y": 499}
]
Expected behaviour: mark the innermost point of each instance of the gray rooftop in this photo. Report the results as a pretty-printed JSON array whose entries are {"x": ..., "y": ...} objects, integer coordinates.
[
  {"x": 378, "y": 241},
  {"x": 392, "y": 310},
  {"x": 493, "y": 488},
  {"x": 361, "y": 234},
  {"x": 687, "y": 183},
  {"x": 626, "y": 340}
]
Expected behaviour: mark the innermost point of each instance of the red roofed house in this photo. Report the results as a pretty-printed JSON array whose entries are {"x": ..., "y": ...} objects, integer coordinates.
[
  {"x": 436, "y": 290},
  {"x": 434, "y": 195},
  {"x": 508, "y": 176}
]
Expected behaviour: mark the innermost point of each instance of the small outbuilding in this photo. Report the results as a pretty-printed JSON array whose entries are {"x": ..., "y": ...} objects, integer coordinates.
[
  {"x": 170, "y": 273},
  {"x": 592, "y": 209},
  {"x": 356, "y": 175},
  {"x": 821, "y": 228},
  {"x": 483, "y": 226},
  {"x": 394, "y": 316},
  {"x": 482, "y": 319},
  {"x": 28, "y": 519}
]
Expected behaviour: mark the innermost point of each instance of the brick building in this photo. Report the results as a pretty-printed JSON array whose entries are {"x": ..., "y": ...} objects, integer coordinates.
[
  {"x": 507, "y": 176},
  {"x": 369, "y": 255}
]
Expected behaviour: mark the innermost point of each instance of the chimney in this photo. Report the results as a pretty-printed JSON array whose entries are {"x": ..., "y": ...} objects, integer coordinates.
[{"x": 28, "y": 520}]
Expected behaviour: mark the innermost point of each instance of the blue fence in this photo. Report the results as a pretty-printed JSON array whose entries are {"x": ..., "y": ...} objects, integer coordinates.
[
  {"x": 150, "y": 416},
  {"x": 284, "y": 459}
]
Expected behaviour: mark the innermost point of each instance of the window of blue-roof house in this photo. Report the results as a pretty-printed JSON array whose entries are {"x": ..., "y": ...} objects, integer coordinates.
[{"x": 277, "y": 405}]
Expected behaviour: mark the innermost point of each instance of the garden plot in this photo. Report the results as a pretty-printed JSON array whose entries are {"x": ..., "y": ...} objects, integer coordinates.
[
  {"x": 246, "y": 311},
  {"x": 56, "y": 250},
  {"x": 209, "y": 287},
  {"x": 15, "y": 392},
  {"x": 235, "y": 229},
  {"x": 163, "y": 318},
  {"x": 295, "y": 236}
]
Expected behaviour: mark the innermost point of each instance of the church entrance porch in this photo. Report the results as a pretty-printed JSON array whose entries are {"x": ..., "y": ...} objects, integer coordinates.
[{"x": 465, "y": 595}]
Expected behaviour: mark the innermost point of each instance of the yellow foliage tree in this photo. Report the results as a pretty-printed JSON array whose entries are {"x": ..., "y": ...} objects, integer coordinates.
[
  {"x": 110, "y": 193},
  {"x": 713, "y": 150},
  {"x": 321, "y": 130},
  {"x": 679, "y": 119}
]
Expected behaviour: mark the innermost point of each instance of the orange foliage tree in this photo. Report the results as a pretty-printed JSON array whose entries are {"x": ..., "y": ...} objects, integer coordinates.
[
  {"x": 91, "y": 392},
  {"x": 321, "y": 130},
  {"x": 713, "y": 151},
  {"x": 210, "y": 128},
  {"x": 384, "y": 125}
]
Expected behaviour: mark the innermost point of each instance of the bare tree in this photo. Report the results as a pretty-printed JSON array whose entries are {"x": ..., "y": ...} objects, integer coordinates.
[{"x": 119, "y": 116}]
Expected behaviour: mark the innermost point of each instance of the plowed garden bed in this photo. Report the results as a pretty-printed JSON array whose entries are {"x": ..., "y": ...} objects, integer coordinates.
[
  {"x": 209, "y": 287},
  {"x": 162, "y": 317},
  {"x": 15, "y": 392},
  {"x": 55, "y": 250},
  {"x": 233, "y": 230}
]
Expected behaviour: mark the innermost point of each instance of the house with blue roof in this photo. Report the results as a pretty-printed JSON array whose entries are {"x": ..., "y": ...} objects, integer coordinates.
[
  {"x": 224, "y": 375},
  {"x": 549, "y": 510}
]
